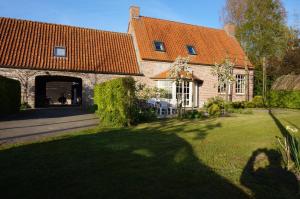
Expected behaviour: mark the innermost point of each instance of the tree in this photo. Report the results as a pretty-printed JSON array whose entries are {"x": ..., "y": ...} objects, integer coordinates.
[
  {"x": 290, "y": 64},
  {"x": 180, "y": 72},
  {"x": 234, "y": 11},
  {"x": 261, "y": 30},
  {"x": 224, "y": 72}
]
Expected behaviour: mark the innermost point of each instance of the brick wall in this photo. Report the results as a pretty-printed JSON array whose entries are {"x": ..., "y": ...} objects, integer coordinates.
[{"x": 209, "y": 87}]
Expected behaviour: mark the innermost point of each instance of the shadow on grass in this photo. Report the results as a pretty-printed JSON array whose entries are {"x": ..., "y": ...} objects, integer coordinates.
[
  {"x": 147, "y": 163},
  {"x": 266, "y": 178},
  {"x": 264, "y": 174}
]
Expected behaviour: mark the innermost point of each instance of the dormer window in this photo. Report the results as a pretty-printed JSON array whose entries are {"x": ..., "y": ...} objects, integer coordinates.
[
  {"x": 60, "y": 52},
  {"x": 191, "y": 50},
  {"x": 159, "y": 46}
]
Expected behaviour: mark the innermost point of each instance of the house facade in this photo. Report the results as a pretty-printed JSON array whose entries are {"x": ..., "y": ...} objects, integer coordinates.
[{"x": 56, "y": 60}]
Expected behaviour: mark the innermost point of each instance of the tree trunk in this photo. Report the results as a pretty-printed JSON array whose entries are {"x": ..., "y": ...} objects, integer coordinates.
[
  {"x": 227, "y": 92},
  {"x": 264, "y": 80},
  {"x": 247, "y": 84}
]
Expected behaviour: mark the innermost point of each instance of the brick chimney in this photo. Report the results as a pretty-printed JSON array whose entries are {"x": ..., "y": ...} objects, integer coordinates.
[
  {"x": 230, "y": 29},
  {"x": 134, "y": 12}
]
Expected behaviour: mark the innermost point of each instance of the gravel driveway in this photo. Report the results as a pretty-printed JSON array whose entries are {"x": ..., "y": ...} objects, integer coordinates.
[{"x": 40, "y": 123}]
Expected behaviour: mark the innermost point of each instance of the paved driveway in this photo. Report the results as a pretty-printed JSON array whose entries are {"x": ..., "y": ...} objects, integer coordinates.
[{"x": 40, "y": 123}]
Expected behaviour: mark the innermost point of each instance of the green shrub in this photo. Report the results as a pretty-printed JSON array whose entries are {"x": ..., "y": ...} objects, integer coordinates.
[
  {"x": 193, "y": 114},
  {"x": 258, "y": 101},
  {"x": 284, "y": 99},
  {"x": 115, "y": 100},
  {"x": 214, "y": 110},
  {"x": 215, "y": 100},
  {"x": 216, "y": 105},
  {"x": 145, "y": 113},
  {"x": 238, "y": 104},
  {"x": 10, "y": 96},
  {"x": 250, "y": 104},
  {"x": 242, "y": 111}
]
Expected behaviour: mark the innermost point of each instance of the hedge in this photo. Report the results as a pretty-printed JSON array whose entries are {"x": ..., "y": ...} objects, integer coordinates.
[
  {"x": 284, "y": 99},
  {"x": 115, "y": 102},
  {"x": 10, "y": 96}
]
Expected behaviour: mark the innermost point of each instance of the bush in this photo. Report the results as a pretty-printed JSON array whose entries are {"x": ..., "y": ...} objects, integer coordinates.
[
  {"x": 215, "y": 100},
  {"x": 214, "y": 110},
  {"x": 242, "y": 111},
  {"x": 216, "y": 105},
  {"x": 238, "y": 104},
  {"x": 115, "y": 100},
  {"x": 258, "y": 101},
  {"x": 249, "y": 104},
  {"x": 10, "y": 98},
  {"x": 193, "y": 114},
  {"x": 284, "y": 99},
  {"x": 145, "y": 113}
]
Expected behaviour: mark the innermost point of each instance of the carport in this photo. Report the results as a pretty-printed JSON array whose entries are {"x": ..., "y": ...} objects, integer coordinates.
[{"x": 57, "y": 91}]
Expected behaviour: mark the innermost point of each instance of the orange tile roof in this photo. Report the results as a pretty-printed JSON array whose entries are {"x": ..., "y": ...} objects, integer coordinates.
[
  {"x": 28, "y": 44},
  {"x": 211, "y": 45},
  {"x": 166, "y": 75}
]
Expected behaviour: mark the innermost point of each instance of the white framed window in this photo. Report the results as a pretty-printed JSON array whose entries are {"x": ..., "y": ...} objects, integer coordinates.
[
  {"x": 183, "y": 92},
  {"x": 167, "y": 86},
  {"x": 60, "y": 52},
  {"x": 240, "y": 84}
]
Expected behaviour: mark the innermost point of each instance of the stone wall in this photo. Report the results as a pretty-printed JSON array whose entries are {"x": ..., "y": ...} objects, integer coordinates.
[{"x": 88, "y": 81}]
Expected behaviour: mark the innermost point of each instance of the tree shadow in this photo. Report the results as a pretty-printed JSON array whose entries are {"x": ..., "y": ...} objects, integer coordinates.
[
  {"x": 266, "y": 178},
  {"x": 279, "y": 125},
  {"x": 147, "y": 163}
]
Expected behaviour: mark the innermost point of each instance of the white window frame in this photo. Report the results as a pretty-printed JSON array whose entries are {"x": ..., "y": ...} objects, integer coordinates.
[
  {"x": 240, "y": 83},
  {"x": 173, "y": 90},
  {"x": 166, "y": 85},
  {"x": 189, "y": 93}
]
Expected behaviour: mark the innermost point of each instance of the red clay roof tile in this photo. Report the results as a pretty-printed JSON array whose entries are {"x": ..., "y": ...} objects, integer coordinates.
[
  {"x": 27, "y": 44},
  {"x": 211, "y": 45}
]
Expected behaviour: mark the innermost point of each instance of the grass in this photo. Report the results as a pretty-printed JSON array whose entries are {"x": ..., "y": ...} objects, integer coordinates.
[{"x": 232, "y": 157}]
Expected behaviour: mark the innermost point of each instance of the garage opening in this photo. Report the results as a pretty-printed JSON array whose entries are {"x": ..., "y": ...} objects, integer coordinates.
[{"x": 58, "y": 91}]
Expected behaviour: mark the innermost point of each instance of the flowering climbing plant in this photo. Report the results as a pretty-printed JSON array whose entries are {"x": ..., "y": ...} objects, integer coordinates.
[
  {"x": 224, "y": 72},
  {"x": 180, "y": 70}
]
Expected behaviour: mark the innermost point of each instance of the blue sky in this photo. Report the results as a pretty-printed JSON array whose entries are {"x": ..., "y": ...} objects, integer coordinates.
[{"x": 113, "y": 14}]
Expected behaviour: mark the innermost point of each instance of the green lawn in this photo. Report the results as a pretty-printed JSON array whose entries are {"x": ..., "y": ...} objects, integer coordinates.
[{"x": 166, "y": 159}]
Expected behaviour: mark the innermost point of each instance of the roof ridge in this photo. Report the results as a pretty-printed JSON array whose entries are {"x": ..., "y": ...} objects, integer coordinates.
[
  {"x": 64, "y": 25},
  {"x": 183, "y": 23}
]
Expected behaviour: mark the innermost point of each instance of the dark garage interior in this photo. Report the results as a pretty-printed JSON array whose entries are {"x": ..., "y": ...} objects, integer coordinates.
[{"x": 57, "y": 91}]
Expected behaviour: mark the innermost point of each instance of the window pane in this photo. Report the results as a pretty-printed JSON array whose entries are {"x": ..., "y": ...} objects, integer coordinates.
[
  {"x": 159, "y": 46},
  {"x": 240, "y": 84},
  {"x": 167, "y": 86},
  {"x": 191, "y": 50},
  {"x": 60, "y": 52}
]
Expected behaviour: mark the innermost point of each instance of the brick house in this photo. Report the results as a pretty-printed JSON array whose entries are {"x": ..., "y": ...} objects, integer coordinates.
[{"x": 56, "y": 60}]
